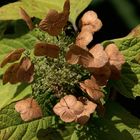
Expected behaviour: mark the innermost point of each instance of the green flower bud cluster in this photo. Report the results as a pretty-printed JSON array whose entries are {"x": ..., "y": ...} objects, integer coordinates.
[{"x": 55, "y": 78}]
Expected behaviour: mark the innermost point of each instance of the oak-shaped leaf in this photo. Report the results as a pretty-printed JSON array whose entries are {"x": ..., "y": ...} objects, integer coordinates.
[
  {"x": 68, "y": 108},
  {"x": 25, "y": 71},
  {"x": 10, "y": 74},
  {"x": 116, "y": 59},
  {"x": 54, "y": 21},
  {"x": 26, "y": 18},
  {"x": 91, "y": 87},
  {"x": 28, "y": 109},
  {"x": 12, "y": 56},
  {"x": 78, "y": 55},
  {"x": 45, "y": 49}
]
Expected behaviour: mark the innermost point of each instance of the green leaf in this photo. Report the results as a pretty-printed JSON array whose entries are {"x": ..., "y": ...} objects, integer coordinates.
[
  {"x": 39, "y": 8},
  {"x": 13, "y": 128},
  {"x": 26, "y": 131},
  {"x": 129, "y": 46},
  {"x": 135, "y": 32},
  {"x": 9, "y": 117},
  {"x": 62, "y": 132},
  {"x": 116, "y": 124},
  {"x": 3, "y": 27},
  {"x": 129, "y": 83},
  {"x": 10, "y": 93}
]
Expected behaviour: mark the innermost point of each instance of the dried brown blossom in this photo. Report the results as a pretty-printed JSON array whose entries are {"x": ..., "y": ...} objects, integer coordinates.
[
  {"x": 89, "y": 18},
  {"x": 83, "y": 39},
  {"x": 68, "y": 108},
  {"x": 97, "y": 25},
  {"x": 10, "y": 74},
  {"x": 116, "y": 59},
  {"x": 28, "y": 109},
  {"x": 100, "y": 57},
  {"x": 87, "y": 28},
  {"x": 12, "y": 57},
  {"x": 102, "y": 74},
  {"x": 45, "y": 49},
  {"x": 91, "y": 87},
  {"x": 26, "y": 18},
  {"x": 54, "y": 21},
  {"x": 89, "y": 108},
  {"x": 72, "y": 110},
  {"x": 19, "y": 72},
  {"x": 77, "y": 55},
  {"x": 25, "y": 71}
]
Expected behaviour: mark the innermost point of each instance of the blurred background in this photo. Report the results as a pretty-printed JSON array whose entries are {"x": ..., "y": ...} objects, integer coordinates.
[{"x": 119, "y": 17}]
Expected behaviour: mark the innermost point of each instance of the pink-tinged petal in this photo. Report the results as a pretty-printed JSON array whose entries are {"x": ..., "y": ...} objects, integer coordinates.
[
  {"x": 92, "y": 89},
  {"x": 97, "y": 25},
  {"x": 83, "y": 118},
  {"x": 28, "y": 109},
  {"x": 83, "y": 39},
  {"x": 100, "y": 57},
  {"x": 89, "y": 18},
  {"x": 26, "y": 116},
  {"x": 78, "y": 108},
  {"x": 59, "y": 109},
  {"x": 88, "y": 28},
  {"x": 68, "y": 116},
  {"x": 22, "y": 106},
  {"x": 90, "y": 107},
  {"x": 68, "y": 101},
  {"x": 116, "y": 60}
]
